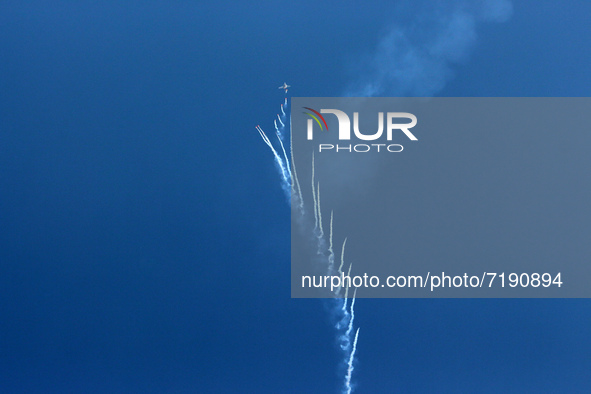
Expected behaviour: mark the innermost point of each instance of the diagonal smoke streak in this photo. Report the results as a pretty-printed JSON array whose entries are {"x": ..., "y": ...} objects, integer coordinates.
[
  {"x": 343, "y": 258},
  {"x": 283, "y": 149},
  {"x": 282, "y": 162},
  {"x": 348, "y": 387},
  {"x": 352, "y": 312},
  {"x": 320, "y": 227},
  {"x": 347, "y": 290},
  {"x": 314, "y": 197},
  {"x": 295, "y": 185},
  {"x": 330, "y": 250},
  {"x": 285, "y": 178}
]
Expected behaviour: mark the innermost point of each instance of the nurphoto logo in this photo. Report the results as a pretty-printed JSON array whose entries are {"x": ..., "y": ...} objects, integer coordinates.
[{"x": 344, "y": 132}]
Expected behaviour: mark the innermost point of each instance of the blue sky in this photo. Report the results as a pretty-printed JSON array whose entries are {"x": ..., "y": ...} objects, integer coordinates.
[{"x": 144, "y": 238}]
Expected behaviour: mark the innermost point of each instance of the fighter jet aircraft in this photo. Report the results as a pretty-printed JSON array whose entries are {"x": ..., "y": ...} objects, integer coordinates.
[{"x": 285, "y": 86}]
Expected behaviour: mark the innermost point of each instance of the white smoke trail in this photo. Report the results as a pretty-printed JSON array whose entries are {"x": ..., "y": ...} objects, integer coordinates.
[
  {"x": 320, "y": 228},
  {"x": 343, "y": 257},
  {"x": 347, "y": 290},
  {"x": 284, "y": 154},
  {"x": 352, "y": 312},
  {"x": 346, "y": 340},
  {"x": 314, "y": 196},
  {"x": 285, "y": 178},
  {"x": 348, "y": 387},
  {"x": 282, "y": 162},
  {"x": 296, "y": 183},
  {"x": 330, "y": 251}
]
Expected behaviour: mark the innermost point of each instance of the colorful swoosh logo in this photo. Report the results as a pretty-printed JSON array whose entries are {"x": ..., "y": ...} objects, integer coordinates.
[{"x": 316, "y": 118}]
